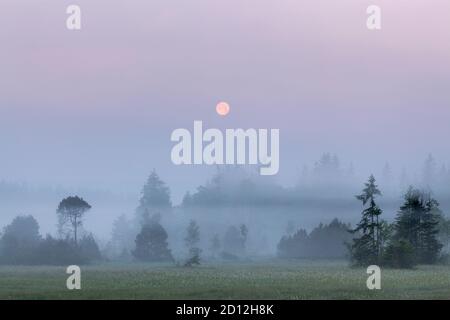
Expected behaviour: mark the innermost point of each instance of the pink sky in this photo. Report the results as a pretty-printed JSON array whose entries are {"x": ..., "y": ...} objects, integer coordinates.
[{"x": 97, "y": 106}]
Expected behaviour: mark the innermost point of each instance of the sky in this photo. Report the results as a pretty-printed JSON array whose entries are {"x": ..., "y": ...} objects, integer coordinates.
[{"x": 95, "y": 108}]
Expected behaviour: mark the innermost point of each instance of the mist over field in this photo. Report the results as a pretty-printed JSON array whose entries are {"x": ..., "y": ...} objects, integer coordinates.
[{"x": 233, "y": 196}]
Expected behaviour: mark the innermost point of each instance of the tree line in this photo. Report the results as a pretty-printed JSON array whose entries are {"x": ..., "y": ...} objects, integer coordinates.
[
  {"x": 417, "y": 236},
  {"x": 22, "y": 244},
  {"x": 413, "y": 238}
]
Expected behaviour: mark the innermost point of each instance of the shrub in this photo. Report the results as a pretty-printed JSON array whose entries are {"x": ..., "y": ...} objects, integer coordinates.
[{"x": 400, "y": 254}]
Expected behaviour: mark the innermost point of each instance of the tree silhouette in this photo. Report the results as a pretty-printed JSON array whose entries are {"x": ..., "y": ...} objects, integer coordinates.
[
  {"x": 417, "y": 223},
  {"x": 192, "y": 239},
  {"x": 155, "y": 197},
  {"x": 151, "y": 244},
  {"x": 366, "y": 249},
  {"x": 70, "y": 212},
  {"x": 19, "y": 240}
]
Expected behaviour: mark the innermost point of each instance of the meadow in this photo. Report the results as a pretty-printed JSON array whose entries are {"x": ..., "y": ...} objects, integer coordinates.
[{"x": 250, "y": 280}]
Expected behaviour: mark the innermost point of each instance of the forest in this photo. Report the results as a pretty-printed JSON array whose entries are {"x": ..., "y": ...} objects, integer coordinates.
[{"x": 240, "y": 216}]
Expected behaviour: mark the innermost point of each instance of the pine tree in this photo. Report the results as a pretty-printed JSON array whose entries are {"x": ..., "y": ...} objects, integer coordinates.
[
  {"x": 155, "y": 197},
  {"x": 367, "y": 248},
  {"x": 417, "y": 222},
  {"x": 192, "y": 239},
  {"x": 151, "y": 243},
  {"x": 70, "y": 214}
]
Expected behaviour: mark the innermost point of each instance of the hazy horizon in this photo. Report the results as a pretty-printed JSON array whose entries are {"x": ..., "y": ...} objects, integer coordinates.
[{"x": 94, "y": 109}]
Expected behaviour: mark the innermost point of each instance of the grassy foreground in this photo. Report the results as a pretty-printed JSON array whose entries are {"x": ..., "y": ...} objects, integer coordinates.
[{"x": 262, "y": 280}]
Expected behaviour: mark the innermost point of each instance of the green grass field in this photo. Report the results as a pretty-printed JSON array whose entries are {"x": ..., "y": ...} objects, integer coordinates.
[{"x": 262, "y": 280}]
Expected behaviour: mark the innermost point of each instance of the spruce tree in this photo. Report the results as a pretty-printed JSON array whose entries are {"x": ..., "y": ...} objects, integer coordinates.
[
  {"x": 155, "y": 198},
  {"x": 366, "y": 247},
  {"x": 152, "y": 244},
  {"x": 417, "y": 223}
]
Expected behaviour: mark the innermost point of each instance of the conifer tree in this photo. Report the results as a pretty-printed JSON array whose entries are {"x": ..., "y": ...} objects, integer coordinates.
[
  {"x": 155, "y": 198},
  {"x": 366, "y": 249},
  {"x": 192, "y": 239},
  {"x": 417, "y": 223},
  {"x": 152, "y": 244}
]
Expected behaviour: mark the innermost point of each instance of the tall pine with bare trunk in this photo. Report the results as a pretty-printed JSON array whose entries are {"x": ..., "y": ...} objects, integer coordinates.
[{"x": 366, "y": 247}]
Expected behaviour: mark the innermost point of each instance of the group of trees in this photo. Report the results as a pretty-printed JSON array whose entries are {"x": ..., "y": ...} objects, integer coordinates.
[
  {"x": 413, "y": 238},
  {"x": 151, "y": 242},
  {"x": 417, "y": 235},
  {"x": 22, "y": 244},
  {"x": 232, "y": 186},
  {"x": 324, "y": 241},
  {"x": 143, "y": 237}
]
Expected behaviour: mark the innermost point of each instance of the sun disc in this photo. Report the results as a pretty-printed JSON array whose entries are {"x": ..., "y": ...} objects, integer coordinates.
[{"x": 222, "y": 108}]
